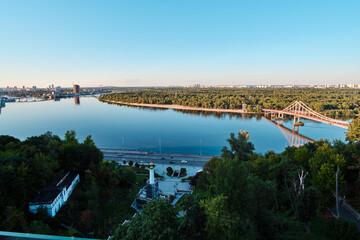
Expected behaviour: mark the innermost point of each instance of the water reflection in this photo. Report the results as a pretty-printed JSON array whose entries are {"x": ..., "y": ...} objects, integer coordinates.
[
  {"x": 77, "y": 100},
  {"x": 220, "y": 115},
  {"x": 293, "y": 137},
  {"x": 2, "y": 104}
]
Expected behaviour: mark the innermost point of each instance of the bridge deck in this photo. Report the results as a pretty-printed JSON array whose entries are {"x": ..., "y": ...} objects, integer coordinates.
[{"x": 329, "y": 121}]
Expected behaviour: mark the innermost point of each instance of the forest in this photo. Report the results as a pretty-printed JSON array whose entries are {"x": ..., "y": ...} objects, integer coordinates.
[
  {"x": 331, "y": 102},
  {"x": 238, "y": 195},
  {"x": 98, "y": 203},
  {"x": 246, "y": 195}
]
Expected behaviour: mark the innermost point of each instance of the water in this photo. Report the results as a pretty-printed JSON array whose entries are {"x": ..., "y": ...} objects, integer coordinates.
[{"x": 166, "y": 131}]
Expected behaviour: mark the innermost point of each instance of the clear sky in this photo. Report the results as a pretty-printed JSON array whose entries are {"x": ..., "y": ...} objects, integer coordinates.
[{"x": 179, "y": 42}]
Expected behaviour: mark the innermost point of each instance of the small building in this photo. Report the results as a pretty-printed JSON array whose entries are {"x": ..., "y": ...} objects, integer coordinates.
[{"x": 54, "y": 196}]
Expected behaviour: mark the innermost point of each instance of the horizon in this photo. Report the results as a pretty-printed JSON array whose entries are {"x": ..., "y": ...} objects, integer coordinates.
[{"x": 142, "y": 44}]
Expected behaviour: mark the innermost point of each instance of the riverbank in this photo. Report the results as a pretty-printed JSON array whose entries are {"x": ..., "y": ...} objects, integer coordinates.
[{"x": 179, "y": 107}]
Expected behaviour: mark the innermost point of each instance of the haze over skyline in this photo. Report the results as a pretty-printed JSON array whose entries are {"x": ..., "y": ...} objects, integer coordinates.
[{"x": 161, "y": 43}]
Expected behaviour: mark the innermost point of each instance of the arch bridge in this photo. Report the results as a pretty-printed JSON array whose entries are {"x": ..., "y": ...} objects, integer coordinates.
[{"x": 298, "y": 109}]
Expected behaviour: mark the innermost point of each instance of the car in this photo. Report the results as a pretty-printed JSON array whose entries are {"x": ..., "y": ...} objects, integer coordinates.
[
  {"x": 162, "y": 158},
  {"x": 183, "y": 161},
  {"x": 119, "y": 154},
  {"x": 124, "y": 159},
  {"x": 171, "y": 162}
]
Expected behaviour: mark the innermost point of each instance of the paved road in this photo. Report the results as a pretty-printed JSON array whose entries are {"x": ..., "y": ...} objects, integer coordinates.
[
  {"x": 147, "y": 157},
  {"x": 346, "y": 215}
]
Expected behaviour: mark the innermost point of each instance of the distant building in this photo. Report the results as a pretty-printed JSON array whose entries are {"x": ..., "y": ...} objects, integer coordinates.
[
  {"x": 244, "y": 107},
  {"x": 76, "y": 89},
  {"x": 54, "y": 196},
  {"x": 57, "y": 90}
]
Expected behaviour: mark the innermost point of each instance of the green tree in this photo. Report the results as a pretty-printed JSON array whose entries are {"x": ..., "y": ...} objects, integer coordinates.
[
  {"x": 169, "y": 171},
  {"x": 353, "y": 133},
  {"x": 323, "y": 166},
  {"x": 156, "y": 222},
  {"x": 240, "y": 147},
  {"x": 340, "y": 229},
  {"x": 70, "y": 137},
  {"x": 306, "y": 206},
  {"x": 182, "y": 172},
  {"x": 88, "y": 140},
  {"x": 193, "y": 224},
  {"x": 14, "y": 220}
]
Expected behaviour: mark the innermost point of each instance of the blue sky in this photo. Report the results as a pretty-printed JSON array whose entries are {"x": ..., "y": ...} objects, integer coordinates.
[{"x": 178, "y": 42}]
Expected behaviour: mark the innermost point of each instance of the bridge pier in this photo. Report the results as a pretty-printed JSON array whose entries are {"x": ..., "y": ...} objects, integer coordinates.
[{"x": 296, "y": 125}]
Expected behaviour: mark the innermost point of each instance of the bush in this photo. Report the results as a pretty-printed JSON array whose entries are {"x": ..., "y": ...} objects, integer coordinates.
[
  {"x": 171, "y": 198},
  {"x": 170, "y": 171},
  {"x": 182, "y": 172},
  {"x": 341, "y": 229}
]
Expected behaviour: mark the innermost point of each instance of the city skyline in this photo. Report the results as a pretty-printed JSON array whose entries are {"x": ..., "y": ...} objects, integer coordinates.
[{"x": 179, "y": 43}]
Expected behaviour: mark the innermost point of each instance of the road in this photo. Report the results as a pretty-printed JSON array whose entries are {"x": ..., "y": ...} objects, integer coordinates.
[{"x": 156, "y": 158}]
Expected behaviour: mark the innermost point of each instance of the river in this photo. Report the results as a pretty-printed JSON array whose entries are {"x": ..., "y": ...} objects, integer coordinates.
[{"x": 162, "y": 131}]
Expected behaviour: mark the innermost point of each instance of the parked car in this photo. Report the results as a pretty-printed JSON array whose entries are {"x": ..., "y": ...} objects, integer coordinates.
[
  {"x": 171, "y": 162},
  {"x": 183, "y": 161}
]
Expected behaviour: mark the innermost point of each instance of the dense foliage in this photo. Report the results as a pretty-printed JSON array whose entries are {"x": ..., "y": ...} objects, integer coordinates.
[
  {"x": 332, "y": 102},
  {"x": 28, "y": 166},
  {"x": 245, "y": 195}
]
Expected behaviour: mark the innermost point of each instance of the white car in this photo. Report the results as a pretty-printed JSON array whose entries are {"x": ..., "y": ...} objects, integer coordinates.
[{"x": 183, "y": 161}]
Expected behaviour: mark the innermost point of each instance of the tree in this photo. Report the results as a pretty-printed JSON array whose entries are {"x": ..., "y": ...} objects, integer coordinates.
[
  {"x": 240, "y": 147},
  {"x": 182, "y": 172},
  {"x": 210, "y": 166},
  {"x": 14, "y": 220},
  {"x": 353, "y": 133},
  {"x": 137, "y": 165},
  {"x": 340, "y": 229},
  {"x": 88, "y": 140},
  {"x": 131, "y": 163},
  {"x": 156, "y": 222},
  {"x": 306, "y": 206},
  {"x": 70, "y": 137},
  {"x": 221, "y": 223},
  {"x": 193, "y": 225},
  {"x": 323, "y": 166},
  {"x": 169, "y": 171}
]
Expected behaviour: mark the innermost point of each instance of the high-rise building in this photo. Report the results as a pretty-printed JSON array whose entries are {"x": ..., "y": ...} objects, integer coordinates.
[
  {"x": 57, "y": 90},
  {"x": 76, "y": 89}
]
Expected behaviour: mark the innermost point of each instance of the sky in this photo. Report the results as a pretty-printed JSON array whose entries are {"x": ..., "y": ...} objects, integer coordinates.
[{"x": 178, "y": 42}]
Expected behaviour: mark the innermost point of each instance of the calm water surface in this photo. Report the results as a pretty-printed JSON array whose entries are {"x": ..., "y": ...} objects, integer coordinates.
[{"x": 166, "y": 131}]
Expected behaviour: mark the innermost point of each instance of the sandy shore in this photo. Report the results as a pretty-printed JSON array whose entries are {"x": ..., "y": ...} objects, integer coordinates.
[{"x": 179, "y": 107}]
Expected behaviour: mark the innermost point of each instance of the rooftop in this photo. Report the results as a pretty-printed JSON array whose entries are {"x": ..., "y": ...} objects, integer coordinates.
[{"x": 49, "y": 193}]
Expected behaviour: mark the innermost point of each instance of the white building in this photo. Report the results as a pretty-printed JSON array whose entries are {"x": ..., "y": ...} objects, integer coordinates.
[{"x": 54, "y": 196}]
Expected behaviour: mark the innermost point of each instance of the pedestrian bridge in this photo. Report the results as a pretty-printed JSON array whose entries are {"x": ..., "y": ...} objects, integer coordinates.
[{"x": 298, "y": 109}]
